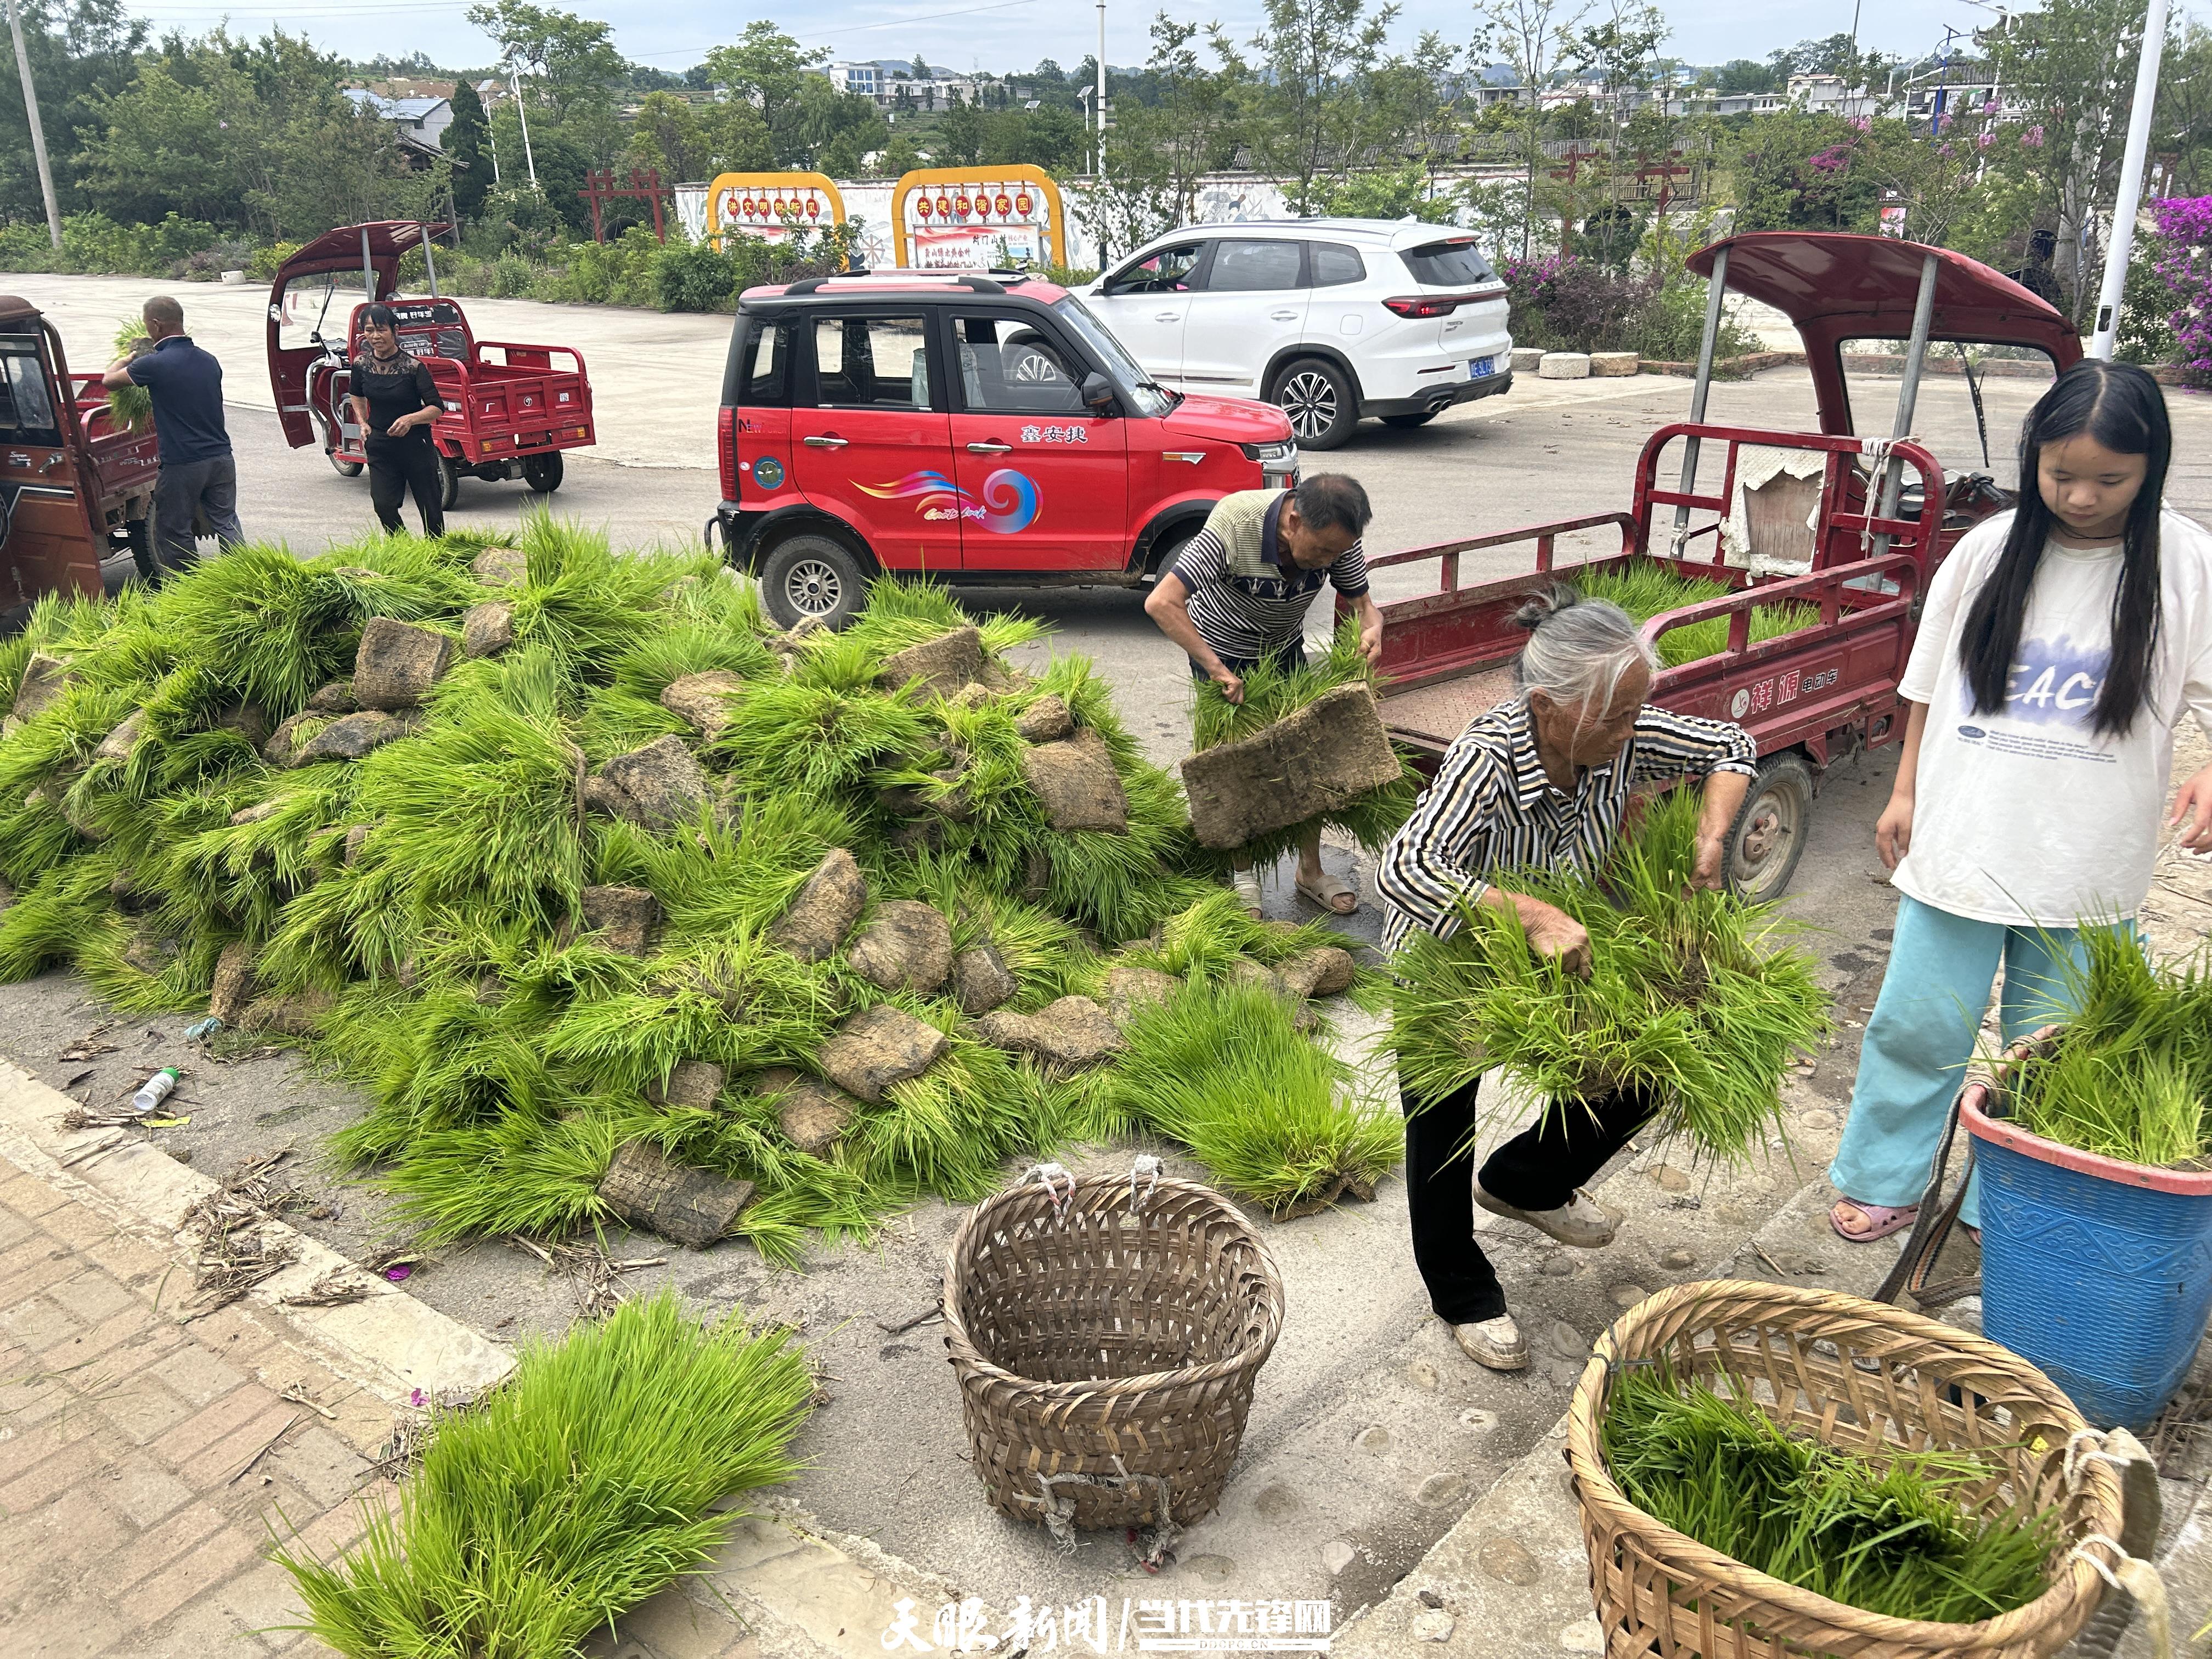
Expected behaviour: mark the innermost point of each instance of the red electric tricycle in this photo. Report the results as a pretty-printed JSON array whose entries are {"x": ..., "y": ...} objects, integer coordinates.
[
  {"x": 510, "y": 409},
  {"x": 1854, "y": 524}
]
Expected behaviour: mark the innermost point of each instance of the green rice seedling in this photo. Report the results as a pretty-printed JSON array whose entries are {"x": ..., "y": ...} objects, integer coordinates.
[
  {"x": 51, "y": 921},
  {"x": 131, "y": 405},
  {"x": 815, "y": 740},
  {"x": 1645, "y": 588},
  {"x": 481, "y": 806},
  {"x": 901, "y": 612},
  {"x": 1891, "y": 1538},
  {"x": 278, "y": 627},
  {"x": 584, "y": 605},
  {"x": 585, "y": 1484},
  {"x": 1204, "y": 943},
  {"x": 1275, "y": 1117},
  {"x": 1694, "y": 998},
  {"x": 2129, "y": 1075},
  {"x": 1046, "y": 954},
  {"x": 520, "y": 1173}
]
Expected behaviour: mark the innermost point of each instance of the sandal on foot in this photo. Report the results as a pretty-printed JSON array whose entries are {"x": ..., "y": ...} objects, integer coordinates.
[
  {"x": 1881, "y": 1219},
  {"x": 1333, "y": 893},
  {"x": 1246, "y": 886}
]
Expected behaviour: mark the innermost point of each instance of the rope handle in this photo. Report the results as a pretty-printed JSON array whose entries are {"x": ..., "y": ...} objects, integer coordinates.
[
  {"x": 2138, "y": 1578},
  {"x": 1146, "y": 1169},
  {"x": 1049, "y": 1175}
]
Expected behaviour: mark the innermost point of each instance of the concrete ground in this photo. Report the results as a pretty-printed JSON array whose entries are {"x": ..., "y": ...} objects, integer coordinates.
[{"x": 1370, "y": 1433}]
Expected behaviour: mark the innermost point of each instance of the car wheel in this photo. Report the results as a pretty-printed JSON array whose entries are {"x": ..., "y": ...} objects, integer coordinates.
[
  {"x": 449, "y": 482},
  {"x": 342, "y": 467},
  {"x": 1768, "y": 836},
  {"x": 1318, "y": 397},
  {"x": 811, "y": 576},
  {"x": 1167, "y": 552},
  {"x": 1407, "y": 422},
  {"x": 543, "y": 472}
]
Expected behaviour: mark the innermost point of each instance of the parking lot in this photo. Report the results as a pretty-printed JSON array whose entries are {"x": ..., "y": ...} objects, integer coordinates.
[{"x": 1362, "y": 1364}]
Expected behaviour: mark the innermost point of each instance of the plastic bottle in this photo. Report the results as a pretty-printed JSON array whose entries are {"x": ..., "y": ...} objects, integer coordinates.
[{"x": 155, "y": 1092}]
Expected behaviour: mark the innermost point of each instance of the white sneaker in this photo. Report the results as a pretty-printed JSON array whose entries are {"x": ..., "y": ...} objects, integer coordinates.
[
  {"x": 1496, "y": 1343},
  {"x": 1582, "y": 1221}
]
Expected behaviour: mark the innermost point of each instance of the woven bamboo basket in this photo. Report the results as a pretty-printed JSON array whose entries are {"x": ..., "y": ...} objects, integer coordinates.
[
  {"x": 1106, "y": 1341},
  {"x": 1864, "y": 1377}
]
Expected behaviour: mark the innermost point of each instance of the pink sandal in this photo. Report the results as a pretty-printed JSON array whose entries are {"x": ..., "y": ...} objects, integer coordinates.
[{"x": 1882, "y": 1219}]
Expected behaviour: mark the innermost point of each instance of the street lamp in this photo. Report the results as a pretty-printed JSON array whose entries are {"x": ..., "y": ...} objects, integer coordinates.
[{"x": 522, "y": 109}]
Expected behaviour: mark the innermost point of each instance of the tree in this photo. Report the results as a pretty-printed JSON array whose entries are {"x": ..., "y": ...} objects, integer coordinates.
[
  {"x": 1311, "y": 117},
  {"x": 572, "y": 69},
  {"x": 80, "y": 54},
  {"x": 1742, "y": 75},
  {"x": 466, "y": 143},
  {"x": 770, "y": 69},
  {"x": 1531, "y": 36},
  {"x": 1416, "y": 102},
  {"x": 1619, "y": 49},
  {"x": 736, "y": 139},
  {"x": 667, "y": 136}
]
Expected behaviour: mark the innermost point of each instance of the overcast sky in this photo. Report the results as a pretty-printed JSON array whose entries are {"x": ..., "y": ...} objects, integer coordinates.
[{"x": 972, "y": 34}]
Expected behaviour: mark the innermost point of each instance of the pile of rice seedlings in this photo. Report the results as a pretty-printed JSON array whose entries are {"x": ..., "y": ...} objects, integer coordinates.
[
  {"x": 1645, "y": 588},
  {"x": 585, "y": 1485},
  {"x": 1895, "y": 1538},
  {"x": 1272, "y": 694},
  {"x": 415, "y": 918},
  {"x": 2130, "y": 1076},
  {"x": 1694, "y": 997},
  {"x": 1222, "y": 1069}
]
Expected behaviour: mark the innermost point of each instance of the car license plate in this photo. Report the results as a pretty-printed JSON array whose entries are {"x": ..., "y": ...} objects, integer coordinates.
[{"x": 1478, "y": 368}]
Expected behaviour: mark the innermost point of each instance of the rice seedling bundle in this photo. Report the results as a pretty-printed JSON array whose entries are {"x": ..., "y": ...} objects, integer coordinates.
[
  {"x": 131, "y": 405},
  {"x": 1896, "y": 1538},
  {"x": 2129, "y": 1076},
  {"x": 1695, "y": 998},
  {"x": 1272, "y": 695},
  {"x": 1645, "y": 588},
  {"x": 417, "y": 918},
  {"x": 577, "y": 1490}
]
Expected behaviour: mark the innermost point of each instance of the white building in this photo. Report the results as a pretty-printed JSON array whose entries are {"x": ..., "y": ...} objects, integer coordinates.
[
  {"x": 420, "y": 121},
  {"x": 864, "y": 80}
]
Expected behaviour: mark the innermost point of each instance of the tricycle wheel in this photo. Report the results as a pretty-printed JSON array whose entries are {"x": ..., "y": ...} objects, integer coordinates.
[
  {"x": 141, "y": 534},
  {"x": 812, "y": 576},
  {"x": 543, "y": 472},
  {"x": 449, "y": 482},
  {"x": 342, "y": 467},
  {"x": 1768, "y": 836}
]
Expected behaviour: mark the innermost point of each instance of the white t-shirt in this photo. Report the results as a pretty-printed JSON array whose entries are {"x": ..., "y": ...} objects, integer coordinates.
[{"x": 2027, "y": 816}]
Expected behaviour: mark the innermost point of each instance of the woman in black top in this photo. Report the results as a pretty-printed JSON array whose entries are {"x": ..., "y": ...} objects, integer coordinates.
[{"x": 394, "y": 398}]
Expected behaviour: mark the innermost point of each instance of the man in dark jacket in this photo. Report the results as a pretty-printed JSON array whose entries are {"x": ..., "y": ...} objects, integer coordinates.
[{"x": 198, "y": 475}]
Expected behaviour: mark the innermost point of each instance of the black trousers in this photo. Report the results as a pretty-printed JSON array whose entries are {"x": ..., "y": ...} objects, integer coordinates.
[
  {"x": 399, "y": 464},
  {"x": 1538, "y": 1169}
]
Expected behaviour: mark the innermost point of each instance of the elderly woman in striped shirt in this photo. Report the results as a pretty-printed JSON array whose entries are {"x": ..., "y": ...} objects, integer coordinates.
[{"x": 1543, "y": 780}]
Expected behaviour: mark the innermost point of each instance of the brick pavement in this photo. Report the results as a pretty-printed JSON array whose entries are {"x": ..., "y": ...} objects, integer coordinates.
[{"x": 147, "y": 1462}]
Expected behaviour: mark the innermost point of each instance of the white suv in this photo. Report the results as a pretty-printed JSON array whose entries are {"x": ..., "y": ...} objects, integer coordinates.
[{"x": 1330, "y": 318}]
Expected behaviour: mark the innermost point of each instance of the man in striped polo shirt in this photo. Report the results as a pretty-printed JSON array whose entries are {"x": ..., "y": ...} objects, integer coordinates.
[{"x": 1239, "y": 594}]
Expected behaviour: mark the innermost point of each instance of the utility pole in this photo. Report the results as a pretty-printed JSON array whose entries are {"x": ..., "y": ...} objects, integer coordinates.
[
  {"x": 522, "y": 109},
  {"x": 1101, "y": 90},
  {"x": 2131, "y": 172},
  {"x": 38, "y": 130}
]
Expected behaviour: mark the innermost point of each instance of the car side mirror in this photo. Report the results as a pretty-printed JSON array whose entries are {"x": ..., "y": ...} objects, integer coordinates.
[{"x": 1098, "y": 394}]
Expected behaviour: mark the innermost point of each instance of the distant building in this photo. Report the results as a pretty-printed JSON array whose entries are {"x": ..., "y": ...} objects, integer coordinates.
[
  {"x": 420, "y": 122},
  {"x": 862, "y": 79}
]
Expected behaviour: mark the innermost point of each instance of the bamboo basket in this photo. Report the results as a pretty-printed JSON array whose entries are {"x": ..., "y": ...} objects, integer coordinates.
[
  {"x": 1106, "y": 1333},
  {"x": 1864, "y": 1377}
]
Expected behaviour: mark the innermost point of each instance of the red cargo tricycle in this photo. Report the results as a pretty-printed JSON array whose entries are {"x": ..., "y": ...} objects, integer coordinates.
[
  {"x": 1854, "y": 525},
  {"x": 510, "y": 409}
]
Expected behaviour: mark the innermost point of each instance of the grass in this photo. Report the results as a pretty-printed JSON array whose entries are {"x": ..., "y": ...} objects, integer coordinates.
[
  {"x": 581, "y": 1486},
  {"x": 1695, "y": 998},
  {"x": 1274, "y": 1117},
  {"x": 1892, "y": 1539},
  {"x": 131, "y": 405},
  {"x": 1272, "y": 694},
  {"x": 1645, "y": 588},
  {"x": 2130, "y": 1075}
]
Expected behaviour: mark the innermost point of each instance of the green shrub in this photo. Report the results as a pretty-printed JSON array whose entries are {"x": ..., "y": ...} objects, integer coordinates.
[{"x": 694, "y": 277}]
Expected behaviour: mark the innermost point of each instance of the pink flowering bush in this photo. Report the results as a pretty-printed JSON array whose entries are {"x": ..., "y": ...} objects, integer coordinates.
[{"x": 2183, "y": 262}]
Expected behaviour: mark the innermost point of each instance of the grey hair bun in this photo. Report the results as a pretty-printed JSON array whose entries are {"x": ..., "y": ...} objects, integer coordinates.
[{"x": 1545, "y": 603}]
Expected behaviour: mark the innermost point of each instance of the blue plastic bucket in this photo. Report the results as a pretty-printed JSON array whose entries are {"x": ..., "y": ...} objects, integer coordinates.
[{"x": 2097, "y": 1271}]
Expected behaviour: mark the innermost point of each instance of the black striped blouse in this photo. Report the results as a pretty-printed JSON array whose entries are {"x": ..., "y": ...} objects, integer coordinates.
[{"x": 1493, "y": 807}]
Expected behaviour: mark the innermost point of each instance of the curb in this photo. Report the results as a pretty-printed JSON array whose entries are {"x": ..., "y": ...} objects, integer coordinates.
[{"x": 389, "y": 1342}]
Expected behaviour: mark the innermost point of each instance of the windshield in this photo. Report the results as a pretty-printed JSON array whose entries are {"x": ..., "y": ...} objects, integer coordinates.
[
  {"x": 1147, "y": 399},
  {"x": 1972, "y": 403}
]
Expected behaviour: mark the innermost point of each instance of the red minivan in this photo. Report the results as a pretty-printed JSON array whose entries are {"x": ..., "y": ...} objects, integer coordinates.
[{"x": 981, "y": 429}]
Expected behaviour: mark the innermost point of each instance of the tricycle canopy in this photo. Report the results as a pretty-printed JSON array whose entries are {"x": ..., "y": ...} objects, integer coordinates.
[
  {"x": 318, "y": 287},
  {"x": 1835, "y": 287}
]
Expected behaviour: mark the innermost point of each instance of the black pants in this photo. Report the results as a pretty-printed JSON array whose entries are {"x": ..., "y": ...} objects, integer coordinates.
[
  {"x": 185, "y": 491},
  {"x": 1538, "y": 1169},
  {"x": 396, "y": 465}
]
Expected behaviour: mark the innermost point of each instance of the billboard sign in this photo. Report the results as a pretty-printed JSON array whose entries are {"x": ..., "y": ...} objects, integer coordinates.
[
  {"x": 772, "y": 206},
  {"x": 971, "y": 218}
]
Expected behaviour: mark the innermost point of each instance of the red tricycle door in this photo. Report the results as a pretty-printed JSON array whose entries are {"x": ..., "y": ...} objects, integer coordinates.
[{"x": 309, "y": 316}]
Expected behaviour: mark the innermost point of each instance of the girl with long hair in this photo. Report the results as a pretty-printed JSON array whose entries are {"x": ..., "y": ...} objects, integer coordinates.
[{"x": 2061, "y": 646}]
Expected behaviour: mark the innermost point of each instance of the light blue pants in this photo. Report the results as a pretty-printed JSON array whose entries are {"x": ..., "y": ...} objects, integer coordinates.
[{"x": 1922, "y": 1034}]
